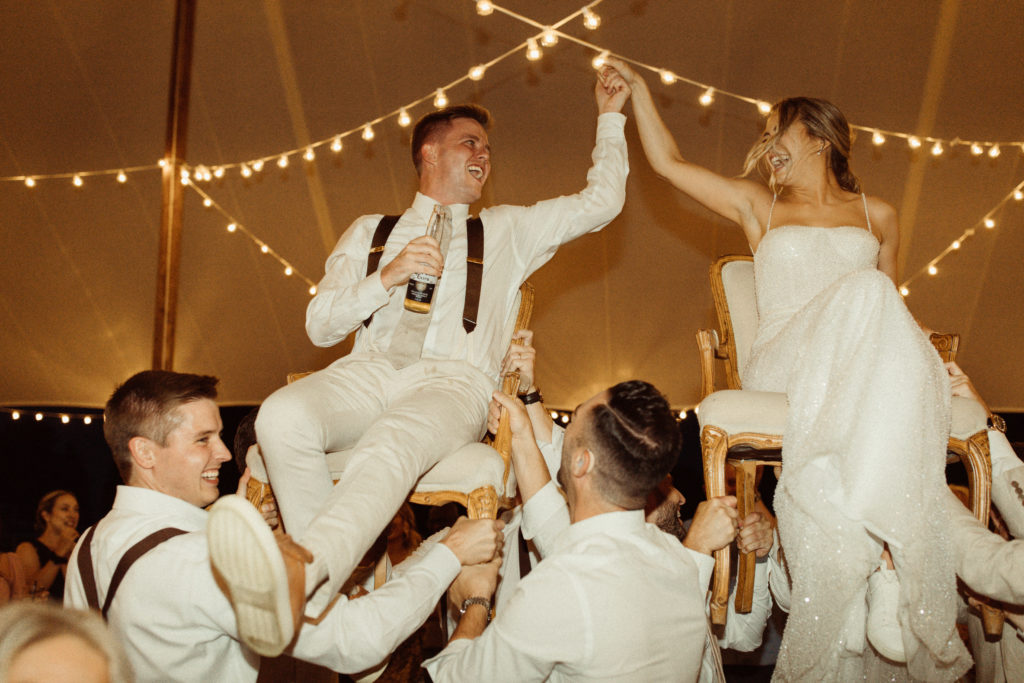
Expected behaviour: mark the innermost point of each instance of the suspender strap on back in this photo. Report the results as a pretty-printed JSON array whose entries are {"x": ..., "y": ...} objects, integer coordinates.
[
  {"x": 86, "y": 570},
  {"x": 474, "y": 264},
  {"x": 134, "y": 553},
  {"x": 474, "y": 272}
]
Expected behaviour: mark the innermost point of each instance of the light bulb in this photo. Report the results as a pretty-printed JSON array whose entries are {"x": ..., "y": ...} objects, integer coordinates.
[
  {"x": 440, "y": 99},
  {"x": 477, "y": 72},
  {"x": 932, "y": 269},
  {"x": 368, "y": 133},
  {"x": 936, "y": 149},
  {"x": 976, "y": 149},
  {"x": 246, "y": 171},
  {"x": 600, "y": 59},
  {"x": 993, "y": 151},
  {"x": 989, "y": 223},
  {"x": 207, "y": 202},
  {"x": 39, "y": 417},
  {"x": 257, "y": 165},
  {"x": 264, "y": 248},
  {"x": 403, "y": 118},
  {"x": 914, "y": 142},
  {"x": 232, "y": 227},
  {"x": 532, "y": 50},
  {"x": 956, "y": 244},
  {"x": 336, "y": 144},
  {"x": 904, "y": 291},
  {"x": 667, "y": 77},
  {"x": 288, "y": 270},
  {"x": 310, "y": 155},
  {"x": 123, "y": 178},
  {"x": 877, "y": 138},
  {"x": 282, "y": 161},
  {"x": 312, "y": 290},
  {"x": 708, "y": 97},
  {"x": 87, "y": 420},
  {"x": 15, "y": 415},
  {"x": 218, "y": 172},
  {"x": 65, "y": 419},
  {"x": 549, "y": 37},
  {"x": 484, "y": 7},
  {"x": 590, "y": 19},
  {"x": 77, "y": 181},
  {"x": 565, "y": 419},
  {"x": 30, "y": 182},
  {"x": 682, "y": 414},
  {"x": 554, "y": 415},
  {"x": 1018, "y": 195},
  {"x": 764, "y": 108}
]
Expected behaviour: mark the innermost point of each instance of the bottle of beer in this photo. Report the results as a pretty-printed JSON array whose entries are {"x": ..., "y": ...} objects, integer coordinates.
[{"x": 420, "y": 290}]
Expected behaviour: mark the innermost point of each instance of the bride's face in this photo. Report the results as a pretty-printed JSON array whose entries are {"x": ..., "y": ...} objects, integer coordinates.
[{"x": 789, "y": 150}]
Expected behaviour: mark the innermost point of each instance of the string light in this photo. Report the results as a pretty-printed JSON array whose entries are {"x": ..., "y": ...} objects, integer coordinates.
[
  {"x": 932, "y": 270},
  {"x": 288, "y": 270},
  {"x": 1018, "y": 195},
  {"x": 403, "y": 118},
  {"x": 368, "y": 133},
  {"x": 39, "y": 417},
  {"x": 30, "y": 181},
  {"x": 218, "y": 172},
  {"x": 549, "y": 37},
  {"x": 877, "y": 138},
  {"x": 310, "y": 155},
  {"x": 336, "y": 144},
  {"x": 257, "y": 165},
  {"x": 667, "y": 77},
  {"x": 484, "y": 7},
  {"x": 312, "y": 290},
  {"x": 993, "y": 151},
  {"x": 264, "y": 248},
  {"x": 246, "y": 171},
  {"x": 282, "y": 161},
  {"x": 599, "y": 60},
  {"x": 590, "y": 19},
  {"x": 64, "y": 418},
  {"x": 937, "y": 149},
  {"x": 122, "y": 177},
  {"x": 533, "y": 52},
  {"x": 956, "y": 244},
  {"x": 764, "y": 107},
  {"x": 477, "y": 72},
  {"x": 207, "y": 202},
  {"x": 87, "y": 419},
  {"x": 976, "y": 149},
  {"x": 77, "y": 180},
  {"x": 232, "y": 227},
  {"x": 707, "y": 97},
  {"x": 989, "y": 223},
  {"x": 15, "y": 415},
  {"x": 914, "y": 142}
]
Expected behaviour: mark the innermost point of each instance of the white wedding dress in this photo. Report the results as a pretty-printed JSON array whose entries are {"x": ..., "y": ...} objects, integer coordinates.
[{"x": 863, "y": 455}]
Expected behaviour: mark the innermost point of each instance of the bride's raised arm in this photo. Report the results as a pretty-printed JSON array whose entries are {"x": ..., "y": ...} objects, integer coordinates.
[{"x": 736, "y": 199}]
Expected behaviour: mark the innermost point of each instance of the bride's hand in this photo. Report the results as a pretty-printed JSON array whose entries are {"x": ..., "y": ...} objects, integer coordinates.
[{"x": 630, "y": 76}]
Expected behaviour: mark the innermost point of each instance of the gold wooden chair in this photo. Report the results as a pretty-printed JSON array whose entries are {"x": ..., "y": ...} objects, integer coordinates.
[
  {"x": 477, "y": 476},
  {"x": 743, "y": 429}
]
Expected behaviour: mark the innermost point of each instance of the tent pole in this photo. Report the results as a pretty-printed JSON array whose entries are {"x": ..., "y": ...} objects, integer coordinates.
[{"x": 166, "y": 309}]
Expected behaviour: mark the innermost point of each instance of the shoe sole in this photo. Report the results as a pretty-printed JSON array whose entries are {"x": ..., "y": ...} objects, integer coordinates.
[{"x": 244, "y": 552}]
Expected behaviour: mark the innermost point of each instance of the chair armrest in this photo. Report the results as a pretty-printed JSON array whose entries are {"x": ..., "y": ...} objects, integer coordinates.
[
  {"x": 502, "y": 440},
  {"x": 946, "y": 344},
  {"x": 707, "y": 343}
]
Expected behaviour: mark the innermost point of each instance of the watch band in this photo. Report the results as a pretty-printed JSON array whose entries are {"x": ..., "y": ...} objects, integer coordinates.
[
  {"x": 532, "y": 397},
  {"x": 476, "y": 601}
]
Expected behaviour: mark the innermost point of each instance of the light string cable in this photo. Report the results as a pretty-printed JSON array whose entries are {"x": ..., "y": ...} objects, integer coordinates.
[{"x": 987, "y": 222}]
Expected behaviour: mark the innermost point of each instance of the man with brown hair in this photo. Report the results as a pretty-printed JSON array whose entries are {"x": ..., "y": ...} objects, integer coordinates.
[{"x": 416, "y": 385}]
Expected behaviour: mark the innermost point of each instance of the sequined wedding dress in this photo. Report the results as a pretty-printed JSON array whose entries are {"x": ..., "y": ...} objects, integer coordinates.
[{"x": 864, "y": 455}]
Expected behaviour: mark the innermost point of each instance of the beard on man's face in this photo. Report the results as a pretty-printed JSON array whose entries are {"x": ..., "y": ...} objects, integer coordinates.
[{"x": 666, "y": 518}]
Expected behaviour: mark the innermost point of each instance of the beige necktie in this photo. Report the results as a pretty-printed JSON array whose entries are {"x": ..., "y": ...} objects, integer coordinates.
[{"x": 407, "y": 341}]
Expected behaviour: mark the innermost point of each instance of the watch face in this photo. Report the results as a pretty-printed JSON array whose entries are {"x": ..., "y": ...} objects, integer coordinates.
[{"x": 997, "y": 422}]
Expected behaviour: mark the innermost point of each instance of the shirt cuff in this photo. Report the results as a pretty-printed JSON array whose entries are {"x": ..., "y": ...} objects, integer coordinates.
[
  {"x": 452, "y": 649},
  {"x": 544, "y": 504},
  {"x": 705, "y": 567},
  {"x": 611, "y": 125}
]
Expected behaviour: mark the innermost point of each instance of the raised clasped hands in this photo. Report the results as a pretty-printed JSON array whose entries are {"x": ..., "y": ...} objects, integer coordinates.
[
  {"x": 421, "y": 255},
  {"x": 611, "y": 90}
]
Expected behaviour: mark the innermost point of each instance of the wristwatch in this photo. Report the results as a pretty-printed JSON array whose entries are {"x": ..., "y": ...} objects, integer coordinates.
[
  {"x": 476, "y": 601},
  {"x": 996, "y": 422},
  {"x": 532, "y": 397}
]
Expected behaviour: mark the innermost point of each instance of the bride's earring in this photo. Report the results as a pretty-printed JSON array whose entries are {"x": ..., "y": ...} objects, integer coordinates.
[{"x": 821, "y": 149}]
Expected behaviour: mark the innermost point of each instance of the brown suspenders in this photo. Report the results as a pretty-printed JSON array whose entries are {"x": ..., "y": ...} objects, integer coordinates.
[
  {"x": 474, "y": 264},
  {"x": 88, "y": 574}
]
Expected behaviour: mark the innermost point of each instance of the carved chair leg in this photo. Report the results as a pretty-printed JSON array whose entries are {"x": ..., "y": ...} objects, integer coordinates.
[
  {"x": 482, "y": 503},
  {"x": 746, "y": 487},
  {"x": 978, "y": 464},
  {"x": 714, "y": 446}
]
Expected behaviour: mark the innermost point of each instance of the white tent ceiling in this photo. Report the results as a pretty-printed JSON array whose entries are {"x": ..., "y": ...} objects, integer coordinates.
[{"x": 85, "y": 88}]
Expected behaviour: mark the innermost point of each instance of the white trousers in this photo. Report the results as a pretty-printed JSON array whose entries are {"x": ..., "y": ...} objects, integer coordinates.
[{"x": 397, "y": 423}]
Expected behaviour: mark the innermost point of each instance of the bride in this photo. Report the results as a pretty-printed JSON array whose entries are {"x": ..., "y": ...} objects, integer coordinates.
[{"x": 869, "y": 399}]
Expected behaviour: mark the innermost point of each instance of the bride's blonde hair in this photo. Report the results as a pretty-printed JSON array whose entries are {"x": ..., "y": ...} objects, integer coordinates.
[{"x": 824, "y": 121}]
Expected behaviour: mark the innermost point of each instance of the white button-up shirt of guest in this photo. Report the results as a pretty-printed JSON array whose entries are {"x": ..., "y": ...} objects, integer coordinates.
[
  {"x": 518, "y": 240},
  {"x": 614, "y": 598},
  {"x": 177, "y": 625}
]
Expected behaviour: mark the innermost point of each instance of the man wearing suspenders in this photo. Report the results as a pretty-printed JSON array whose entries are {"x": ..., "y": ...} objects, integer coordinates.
[
  {"x": 146, "y": 564},
  {"x": 400, "y": 416}
]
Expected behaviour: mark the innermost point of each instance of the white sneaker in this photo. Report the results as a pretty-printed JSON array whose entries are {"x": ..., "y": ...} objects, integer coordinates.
[{"x": 883, "y": 631}]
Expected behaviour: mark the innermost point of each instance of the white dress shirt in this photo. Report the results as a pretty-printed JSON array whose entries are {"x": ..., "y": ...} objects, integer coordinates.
[
  {"x": 517, "y": 241},
  {"x": 177, "y": 625},
  {"x": 614, "y": 598}
]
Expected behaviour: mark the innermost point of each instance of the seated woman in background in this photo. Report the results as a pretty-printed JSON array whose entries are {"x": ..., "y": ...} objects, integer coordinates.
[{"x": 45, "y": 558}]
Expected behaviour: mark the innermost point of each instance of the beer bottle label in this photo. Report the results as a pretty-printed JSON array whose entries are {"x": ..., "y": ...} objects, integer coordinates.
[{"x": 421, "y": 288}]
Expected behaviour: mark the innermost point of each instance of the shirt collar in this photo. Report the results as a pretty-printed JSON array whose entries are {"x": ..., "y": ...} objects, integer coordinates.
[
  {"x": 622, "y": 523},
  {"x": 424, "y": 206},
  {"x": 149, "y": 502}
]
